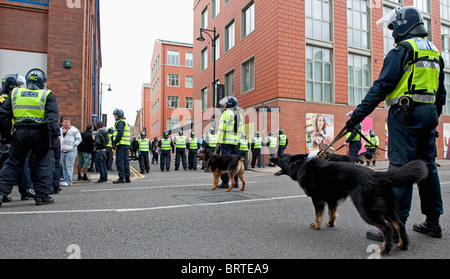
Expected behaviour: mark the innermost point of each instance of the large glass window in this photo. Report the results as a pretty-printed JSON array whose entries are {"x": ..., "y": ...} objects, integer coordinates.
[
  {"x": 173, "y": 101},
  {"x": 229, "y": 36},
  {"x": 204, "y": 22},
  {"x": 204, "y": 59},
  {"x": 358, "y": 78},
  {"x": 229, "y": 84},
  {"x": 358, "y": 23},
  {"x": 173, "y": 80},
  {"x": 189, "y": 59},
  {"x": 248, "y": 75},
  {"x": 318, "y": 19},
  {"x": 445, "y": 9},
  {"x": 215, "y": 8},
  {"x": 318, "y": 74},
  {"x": 248, "y": 19},
  {"x": 173, "y": 57}
]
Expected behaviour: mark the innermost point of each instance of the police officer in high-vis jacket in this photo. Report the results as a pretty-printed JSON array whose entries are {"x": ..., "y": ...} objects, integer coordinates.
[
  {"x": 230, "y": 128},
  {"x": 180, "y": 150},
  {"x": 166, "y": 145},
  {"x": 33, "y": 114},
  {"x": 144, "y": 148},
  {"x": 193, "y": 146},
  {"x": 412, "y": 84},
  {"x": 121, "y": 143}
]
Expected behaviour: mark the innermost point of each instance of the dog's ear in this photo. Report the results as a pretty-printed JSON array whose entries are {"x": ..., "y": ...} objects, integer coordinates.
[{"x": 298, "y": 157}]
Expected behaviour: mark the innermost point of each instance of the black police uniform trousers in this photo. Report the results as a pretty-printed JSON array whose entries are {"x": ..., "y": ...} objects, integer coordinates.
[
  {"x": 228, "y": 149},
  {"x": 36, "y": 139},
  {"x": 122, "y": 161},
  {"x": 354, "y": 147},
  {"x": 256, "y": 155},
  {"x": 180, "y": 153},
  {"x": 192, "y": 159},
  {"x": 416, "y": 141},
  {"x": 164, "y": 161},
  {"x": 144, "y": 162}
]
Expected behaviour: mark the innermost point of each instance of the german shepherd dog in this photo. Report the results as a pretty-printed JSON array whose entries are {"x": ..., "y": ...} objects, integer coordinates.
[
  {"x": 233, "y": 165},
  {"x": 369, "y": 158},
  {"x": 371, "y": 192}
]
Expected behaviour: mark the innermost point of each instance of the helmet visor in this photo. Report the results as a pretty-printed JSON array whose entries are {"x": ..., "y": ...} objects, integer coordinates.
[{"x": 386, "y": 20}]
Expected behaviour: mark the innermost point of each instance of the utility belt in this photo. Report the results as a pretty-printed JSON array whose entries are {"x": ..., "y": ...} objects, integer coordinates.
[
  {"x": 405, "y": 109},
  {"x": 29, "y": 124}
]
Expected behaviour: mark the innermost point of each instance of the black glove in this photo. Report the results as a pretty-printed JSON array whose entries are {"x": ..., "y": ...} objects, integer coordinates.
[
  {"x": 53, "y": 142},
  {"x": 350, "y": 125}
]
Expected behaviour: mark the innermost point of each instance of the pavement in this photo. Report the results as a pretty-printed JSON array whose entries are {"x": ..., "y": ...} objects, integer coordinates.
[{"x": 135, "y": 173}]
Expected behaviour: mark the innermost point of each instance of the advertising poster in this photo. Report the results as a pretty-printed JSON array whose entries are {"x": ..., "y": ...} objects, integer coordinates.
[
  {"x": 446, "y": 140},
  {"x": 319, "y": 131},
  {"x": 367, "y": 125}
]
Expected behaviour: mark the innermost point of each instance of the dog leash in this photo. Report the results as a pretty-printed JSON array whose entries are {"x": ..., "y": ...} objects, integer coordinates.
[
  {"x": 338, "y": 137},
  {"x": 368, "y": 141}
]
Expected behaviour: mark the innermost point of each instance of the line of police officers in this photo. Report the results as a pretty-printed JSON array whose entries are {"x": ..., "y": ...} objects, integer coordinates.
[{"x": 180, "y": 143}]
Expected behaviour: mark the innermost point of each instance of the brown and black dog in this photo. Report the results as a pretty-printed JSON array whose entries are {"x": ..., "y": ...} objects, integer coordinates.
[
  {"x": 233, "y": 165},
  {"x": 371, "y": 192}
]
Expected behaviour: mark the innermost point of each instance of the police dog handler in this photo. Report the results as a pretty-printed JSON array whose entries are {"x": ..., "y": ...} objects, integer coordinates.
[{"x": 412, "y": 84}]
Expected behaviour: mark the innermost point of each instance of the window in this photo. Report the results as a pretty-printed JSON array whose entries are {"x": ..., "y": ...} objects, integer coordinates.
[
  {"x": 358, "y": 23},
  {"x": 189, "y": 60},
  {"x": 173, "y": 101},
  {"x": 388, "y": 40},
  {"x": 189, "y": 102},
  {"x": 422, "y": 5},
  {"x": 229, "y": 84},
  {"x": 248, "y": 19},
  {"x": 215, "y": 8},
  {"x": 445, "y": 9},
  {"x": 318, "y": 74},
  {"x": 204, "y": 59},
  {"x": 229, "y": 36},
  {"x": 172, "y": 123},
  {"x": 446, "y": 109},
  {"x": 205, "y": 18},
  {"x": 318, "y": 19},
  {"x": 248, "y": 75},
  {"x": 358, "y": 78},
  {"x": 217, "y": 48},
  {"x": 173, "y": 80},
  {"x": 173, "y": 57},
  {"x": 445, "y": 40},
  {"x": 189, "y": 82},
  {"x": 204, "y": 98}
]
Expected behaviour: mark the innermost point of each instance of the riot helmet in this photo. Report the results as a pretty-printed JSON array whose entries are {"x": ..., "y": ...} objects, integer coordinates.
[
  {"x": 11, "y": 81},
  {"x": 36, "y": 79},
  {"x": 119, "y": 113},
  {"x": 166, "y": 135}
]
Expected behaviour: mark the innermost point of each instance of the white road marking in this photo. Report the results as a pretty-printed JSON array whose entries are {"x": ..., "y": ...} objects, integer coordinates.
[
  {"x": 153, "y": 187},
  {"x": 124, "y": 210}
]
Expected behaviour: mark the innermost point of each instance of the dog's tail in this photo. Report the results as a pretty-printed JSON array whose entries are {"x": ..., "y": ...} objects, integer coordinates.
[{"x": 413, "y": 172}]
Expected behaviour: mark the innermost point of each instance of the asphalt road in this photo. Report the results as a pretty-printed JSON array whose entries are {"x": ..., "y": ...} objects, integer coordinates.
[{"x": 175, "y": 215}]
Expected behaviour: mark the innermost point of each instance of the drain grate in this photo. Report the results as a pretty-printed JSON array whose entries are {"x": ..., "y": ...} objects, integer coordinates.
[{"x": 223, "y": 198}]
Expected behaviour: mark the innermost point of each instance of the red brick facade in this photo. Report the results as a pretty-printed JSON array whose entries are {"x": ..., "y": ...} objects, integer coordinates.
[
  {"x": 278, "y": 47},
  {"x": 62, "y": 33},
  {"x": 156, "y": 110}
]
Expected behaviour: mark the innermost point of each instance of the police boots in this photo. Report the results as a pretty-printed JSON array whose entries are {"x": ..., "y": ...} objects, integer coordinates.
[{"x": 430, "y": 227}]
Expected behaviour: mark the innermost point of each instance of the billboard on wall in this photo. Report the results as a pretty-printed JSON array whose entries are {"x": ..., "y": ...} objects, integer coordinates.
[{"x": 319, "y": 131}]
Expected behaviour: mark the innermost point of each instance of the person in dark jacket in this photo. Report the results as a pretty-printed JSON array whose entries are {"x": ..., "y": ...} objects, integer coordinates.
[
  {"x": 411, "y": 82},
  {"x": 85, "y": 149},
  {"x": 35, "y": 128},
  {"x": 101, "y": 141}
]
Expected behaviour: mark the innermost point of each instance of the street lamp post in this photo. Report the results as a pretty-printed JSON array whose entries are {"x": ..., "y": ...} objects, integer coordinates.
[
  {"x": 213, "y": 43},
  {"x": 101, "y": 97}
]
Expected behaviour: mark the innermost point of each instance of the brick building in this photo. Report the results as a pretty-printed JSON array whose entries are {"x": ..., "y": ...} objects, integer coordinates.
[
  {"x": 63, "y": 39},
  {"x": 169, "y": 105},
  {"x": 306, "y": 60}
]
